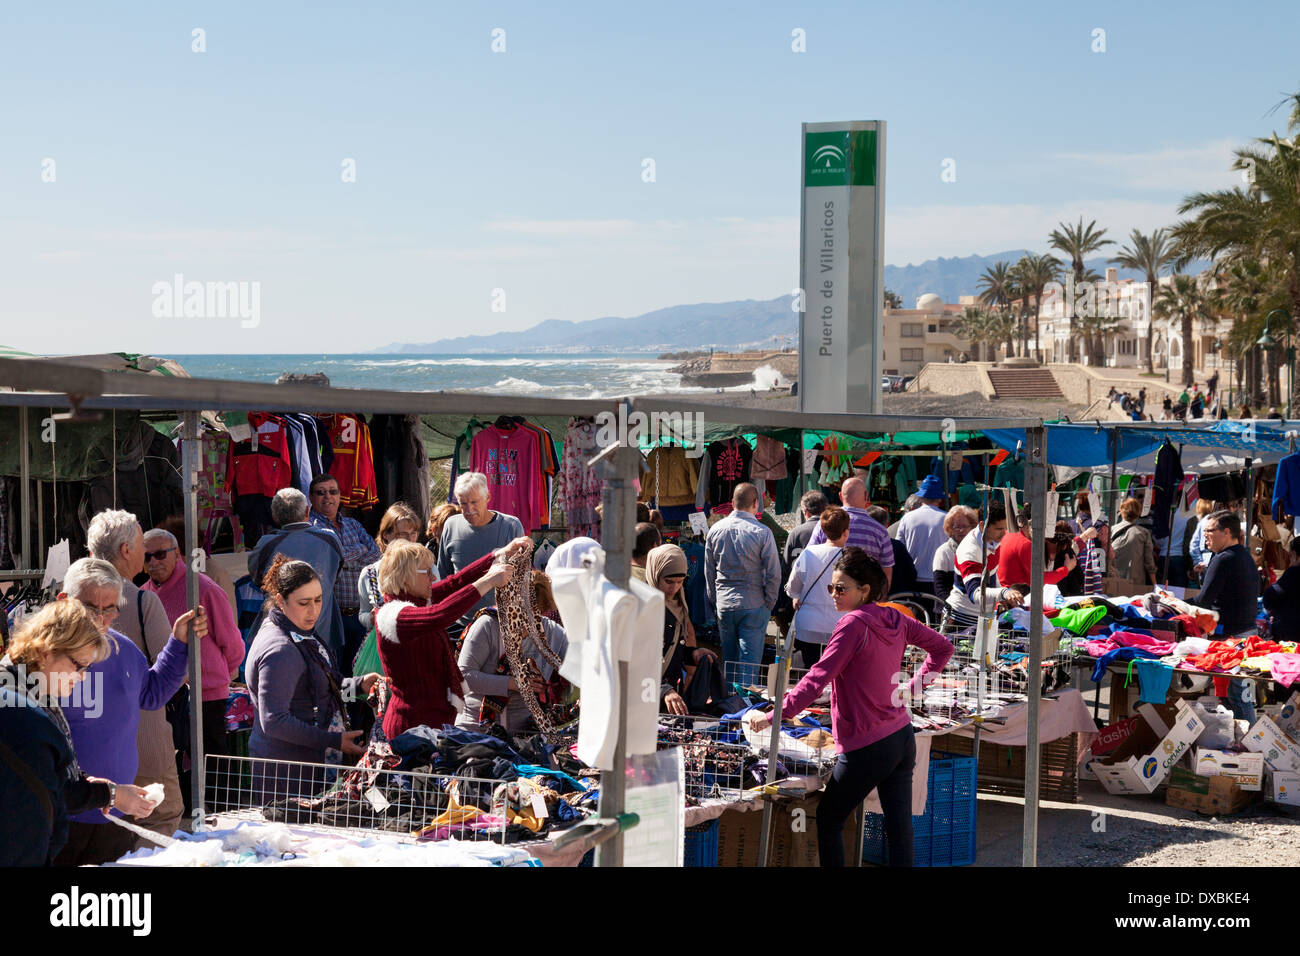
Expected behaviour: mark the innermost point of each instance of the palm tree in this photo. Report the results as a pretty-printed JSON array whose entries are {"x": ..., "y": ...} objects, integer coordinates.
[
  {"x": 1033, "y": 273},
  {"x": 1001, "y": 326},
  {"x": 995, "y": 285},
  {"x": 893, "y": 300},
  {"x": 1077, "y": 242},
  {"x": 1149, "y": 255},
  {"x": 1249, "y": 289},
  {"x": 1261, "y": 221},
  {"x": 1184, "y": 299},
  {"x": 973, "y": 325}
]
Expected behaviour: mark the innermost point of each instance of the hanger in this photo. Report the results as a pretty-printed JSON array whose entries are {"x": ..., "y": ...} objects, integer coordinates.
[{"x": 505, "y": 423}]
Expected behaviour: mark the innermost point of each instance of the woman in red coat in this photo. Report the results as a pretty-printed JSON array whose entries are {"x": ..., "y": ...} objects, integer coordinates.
[{"x": 426, "y": 685}]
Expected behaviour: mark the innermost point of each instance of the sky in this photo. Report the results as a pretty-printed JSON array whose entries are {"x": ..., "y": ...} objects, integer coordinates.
[{"x": 379, "y": 173}]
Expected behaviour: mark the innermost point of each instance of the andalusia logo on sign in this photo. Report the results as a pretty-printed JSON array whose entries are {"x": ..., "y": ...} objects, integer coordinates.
[
  {"x": 826, "y": 159},
  {"x": 840, "y": 158}
]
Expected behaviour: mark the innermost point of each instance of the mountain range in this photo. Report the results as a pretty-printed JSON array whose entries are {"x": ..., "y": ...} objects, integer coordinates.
[{"x": 747, "y": 323}]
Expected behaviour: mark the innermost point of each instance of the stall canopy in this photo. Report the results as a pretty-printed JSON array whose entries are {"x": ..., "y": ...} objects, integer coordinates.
[{"x": 1207, "y": 447}]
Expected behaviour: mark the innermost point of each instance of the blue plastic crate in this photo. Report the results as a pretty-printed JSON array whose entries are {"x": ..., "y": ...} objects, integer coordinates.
[
  {"x": 701, "y": 845},
  {"x": 945, "y": 834}
]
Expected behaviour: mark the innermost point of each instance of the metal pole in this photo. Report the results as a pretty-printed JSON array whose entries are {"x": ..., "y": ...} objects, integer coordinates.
[
  {"x": 1114, "y": 479},
  {"x": 1248, "y": 513},
  {"x": 190, "y": 482},
  {"x": 618, "y": 515},
  {"x": 25, "y": 471},
  {"x": 1035, "y": 491},
  {"x": 774, "y": 743}
]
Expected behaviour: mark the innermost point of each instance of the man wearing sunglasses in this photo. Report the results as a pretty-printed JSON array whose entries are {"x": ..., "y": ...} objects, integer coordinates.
[
  {"x": 1232, "y": 588},
  {"x": 223, "y": 651}
]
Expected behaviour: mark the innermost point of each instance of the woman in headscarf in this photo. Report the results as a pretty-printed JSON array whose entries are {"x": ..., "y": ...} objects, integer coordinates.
[{"x": 680, "y": 691}]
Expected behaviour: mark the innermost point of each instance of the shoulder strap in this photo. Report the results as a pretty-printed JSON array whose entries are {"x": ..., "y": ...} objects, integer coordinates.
[
  {"x": 818, "y": 578},
  {"x": 28, "y": 776},
  {"x": 139, "y": 611}
]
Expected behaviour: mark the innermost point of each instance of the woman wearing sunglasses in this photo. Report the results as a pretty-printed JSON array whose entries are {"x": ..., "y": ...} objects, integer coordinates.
[
  {"x": 414, "y": 646},
  {"x": 872, "y": 725},
  {"x": 47, "y": 659}
]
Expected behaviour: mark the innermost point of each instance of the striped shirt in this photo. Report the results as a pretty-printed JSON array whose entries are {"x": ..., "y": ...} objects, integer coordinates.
[
  {"x": 969, "y": 571},
  {"x": 867, "y": 533},
  {"x": 359, "y": 549}
]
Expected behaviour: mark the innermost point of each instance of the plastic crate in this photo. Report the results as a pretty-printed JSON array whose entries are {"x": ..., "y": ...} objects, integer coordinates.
[
  {"x": 701, "y": 845},
  {"x": 945, "y": 834}
]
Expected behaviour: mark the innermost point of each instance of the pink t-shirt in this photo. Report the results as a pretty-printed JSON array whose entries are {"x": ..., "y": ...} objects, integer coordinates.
[
  {"x": 862, "y": 663},
  {"x": 509, "y": 459}
]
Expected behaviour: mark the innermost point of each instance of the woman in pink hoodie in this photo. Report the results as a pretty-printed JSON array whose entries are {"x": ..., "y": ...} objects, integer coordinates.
[{"x": 863, "y": 663}]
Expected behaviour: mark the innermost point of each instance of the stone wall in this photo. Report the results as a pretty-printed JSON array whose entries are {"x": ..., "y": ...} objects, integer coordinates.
[{"x": 957, "y": 378}]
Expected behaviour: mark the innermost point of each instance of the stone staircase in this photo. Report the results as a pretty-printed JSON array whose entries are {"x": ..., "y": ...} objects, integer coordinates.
[{"x": 1024, "y": 383}]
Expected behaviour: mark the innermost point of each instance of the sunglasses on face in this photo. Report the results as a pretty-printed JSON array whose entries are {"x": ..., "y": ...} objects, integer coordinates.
[
  {"x": 318, "y": 493},
  {"x": 841, "y": 588},
  {"x": 157, "y": 555}
]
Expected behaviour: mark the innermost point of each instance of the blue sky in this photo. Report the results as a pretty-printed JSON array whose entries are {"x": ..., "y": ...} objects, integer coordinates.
[{"x": 521, "y": 170}]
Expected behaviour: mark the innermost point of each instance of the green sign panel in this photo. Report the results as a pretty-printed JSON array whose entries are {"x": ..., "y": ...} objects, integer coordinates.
[{"x": 840, "y": 158}]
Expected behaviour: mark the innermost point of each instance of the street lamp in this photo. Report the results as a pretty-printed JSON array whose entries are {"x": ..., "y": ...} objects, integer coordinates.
[{"x": 1266, "y": 342}]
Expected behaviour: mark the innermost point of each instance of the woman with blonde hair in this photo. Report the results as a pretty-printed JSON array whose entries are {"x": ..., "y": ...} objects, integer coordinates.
[
  {"x": 47, "y": 660},
  {"x": 414, "y": 646}
]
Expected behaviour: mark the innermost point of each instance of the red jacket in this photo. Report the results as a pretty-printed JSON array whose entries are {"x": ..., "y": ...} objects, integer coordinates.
[
  {"x": 262, "y": 465},
  {"x": 427, "y": 686},
  {"x": 354, "y": 460}
]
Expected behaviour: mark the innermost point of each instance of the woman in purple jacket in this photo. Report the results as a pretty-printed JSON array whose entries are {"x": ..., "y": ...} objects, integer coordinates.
[{"x": 863, "y": 663}]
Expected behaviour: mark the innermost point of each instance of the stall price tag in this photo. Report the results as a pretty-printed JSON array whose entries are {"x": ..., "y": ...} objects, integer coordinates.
[
  {"x": 1053, "y": 507},
  {"x": 539, "y": 806},
  {"x": 1094, "y": 502},
  {"x": 377, "y": 800},
  {"x": 699, "y": 523},
  {"x": 1147, "y": 496}
]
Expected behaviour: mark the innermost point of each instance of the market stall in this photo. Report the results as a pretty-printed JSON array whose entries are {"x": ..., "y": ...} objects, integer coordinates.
[{"x": 91, "y": 389}]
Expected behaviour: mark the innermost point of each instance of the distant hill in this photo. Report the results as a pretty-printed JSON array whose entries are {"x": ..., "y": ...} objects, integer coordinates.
[{"x": 724, "y": 325}]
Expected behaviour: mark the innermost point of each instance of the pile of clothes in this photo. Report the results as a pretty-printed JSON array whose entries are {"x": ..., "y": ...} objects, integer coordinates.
[{"x": 451, "y": 783}]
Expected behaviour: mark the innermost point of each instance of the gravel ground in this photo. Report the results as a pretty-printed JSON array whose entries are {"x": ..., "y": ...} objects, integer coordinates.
[{"x": 1108, "y": 830}]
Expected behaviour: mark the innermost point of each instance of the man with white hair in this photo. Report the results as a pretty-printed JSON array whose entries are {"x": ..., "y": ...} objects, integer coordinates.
[
  {"x": 474, "y": 532},
  {"x": 115, "y": 536},
  {"x": 223, "y": 651},
  {"x": 303, "y": 541},
  {"x": 103, "y": 714}
]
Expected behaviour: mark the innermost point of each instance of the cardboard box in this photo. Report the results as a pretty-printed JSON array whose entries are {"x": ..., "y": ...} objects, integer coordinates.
[
  {"x": 793, "y": 838},
  {"x": 1284, "y": 787},
  {"x": 1143, "y": 761},
  {"x": 1280, "y": 751},
  {"x": 1288, "y": 719},
  {"x": 1112, "y": 735},
  {"x": 1246, "y": 769},
  {"x": 1215, "y": 795}
]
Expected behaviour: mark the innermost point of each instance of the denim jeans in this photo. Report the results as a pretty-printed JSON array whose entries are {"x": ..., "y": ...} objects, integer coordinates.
[
  {"x": 1241, "y": 699},
  {"x": 886, "y": 767},
  {"x": 743, "y": 634}
]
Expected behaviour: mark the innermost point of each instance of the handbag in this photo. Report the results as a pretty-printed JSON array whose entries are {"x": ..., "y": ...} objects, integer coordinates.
[{"x": 177, "y": 709}]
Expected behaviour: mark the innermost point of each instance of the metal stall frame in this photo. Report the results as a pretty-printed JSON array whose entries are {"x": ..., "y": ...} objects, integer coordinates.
[{"x": 61, "y": 385}]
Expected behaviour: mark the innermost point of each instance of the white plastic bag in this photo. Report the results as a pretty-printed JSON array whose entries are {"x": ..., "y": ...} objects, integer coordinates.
[{"x": 1220, "y": 734}]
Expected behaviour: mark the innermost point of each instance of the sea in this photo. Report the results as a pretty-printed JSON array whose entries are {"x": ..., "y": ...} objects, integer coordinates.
[{"x": 546, "y": 375}]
